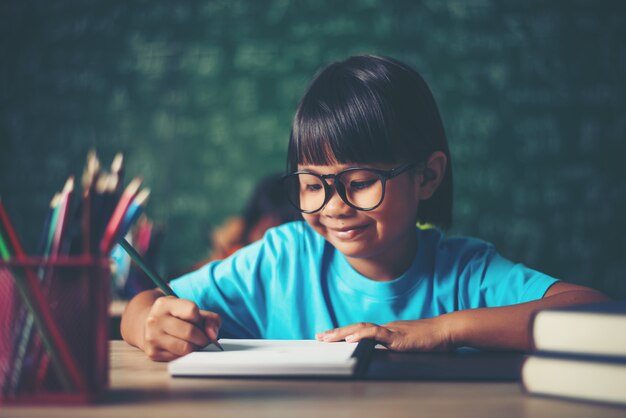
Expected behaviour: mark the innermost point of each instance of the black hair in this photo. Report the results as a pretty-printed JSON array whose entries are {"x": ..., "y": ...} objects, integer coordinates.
[{"x": 370, "y": 109}]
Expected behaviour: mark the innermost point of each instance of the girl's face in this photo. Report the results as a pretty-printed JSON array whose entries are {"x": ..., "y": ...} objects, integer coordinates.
[{"x": 380, "y": 244}]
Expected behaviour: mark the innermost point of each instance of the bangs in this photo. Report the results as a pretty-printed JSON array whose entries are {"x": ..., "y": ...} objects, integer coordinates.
[{"x": 343, "y": 120}]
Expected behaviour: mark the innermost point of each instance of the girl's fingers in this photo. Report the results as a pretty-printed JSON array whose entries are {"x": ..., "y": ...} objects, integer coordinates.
[
  {"x": 174, "y": 346},
  {"x": 186, "y": 310},
  {"x": 339, "y": 334},
  {"x": 378, "y": 333},
  {"x": 183, "y": 319},
  {"x": 184, "y": 330},
  {"x": 165, "y": 347},
  {"x": 211, "y": 324},
  {"x": 336, "y": 334},
  {"x": 180, "y": 308},
  {"x": 211, "y": 317}
]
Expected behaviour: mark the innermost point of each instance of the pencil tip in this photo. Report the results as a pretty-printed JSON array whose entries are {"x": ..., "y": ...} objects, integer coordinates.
[
  {"x": 69, "y": 184},
  {"x": 118, "y": 163}
]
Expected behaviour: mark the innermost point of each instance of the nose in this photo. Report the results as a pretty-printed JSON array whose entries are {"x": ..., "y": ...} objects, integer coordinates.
[{"x": 336, "y": 207}]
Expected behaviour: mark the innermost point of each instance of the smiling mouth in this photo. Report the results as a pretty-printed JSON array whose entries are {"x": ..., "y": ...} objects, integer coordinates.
[{"x": 347, "y": 233}]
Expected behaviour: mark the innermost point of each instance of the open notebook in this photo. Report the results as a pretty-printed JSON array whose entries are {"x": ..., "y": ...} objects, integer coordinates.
[{"x": 274, "y": 358}]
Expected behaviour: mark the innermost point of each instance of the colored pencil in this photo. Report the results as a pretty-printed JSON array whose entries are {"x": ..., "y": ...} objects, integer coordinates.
[
  {"x": 98, "y": 217},
  {"x": 133, "y": 212},
  {"x": 62, "y": 219},
  {"x": 110, "y": 233},
  {"x": 105, "y": 201},
  {"x": 144, "y": 235},
  {"x": 56, "y": 207},
  {"x": 4, "y": 250},
  {"x": 90, "y": 175},
  {"x": 45, "y": 232},
  {"x": 117, "y": 170}
]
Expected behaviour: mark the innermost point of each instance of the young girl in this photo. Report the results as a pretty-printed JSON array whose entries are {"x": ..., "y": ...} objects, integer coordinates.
[{"x": 368, "y": 159}]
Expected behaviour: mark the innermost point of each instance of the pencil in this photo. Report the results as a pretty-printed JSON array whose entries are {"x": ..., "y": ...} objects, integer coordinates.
[
  {"x": 110, "y": 232},
  {"x": 100, "y": 213},
  {"x": 90, "y": 176},
  {"x": 117, "y": 170},
  {"x": 165, "y": 288},
  {"x": 56, "y": 207},
  {"x": 133, "y": 212},
  {"x": 4, "y": 251},
  {"x": 62, "y": 219},
  {"x": 43, "y": 239}
]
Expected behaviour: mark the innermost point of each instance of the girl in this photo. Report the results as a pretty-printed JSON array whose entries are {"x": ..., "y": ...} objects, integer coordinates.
[{"x": 368, "y": 159}]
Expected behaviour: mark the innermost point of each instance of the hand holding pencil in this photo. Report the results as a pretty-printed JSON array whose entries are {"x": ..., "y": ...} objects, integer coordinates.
[{"x": 174, "y": 327}]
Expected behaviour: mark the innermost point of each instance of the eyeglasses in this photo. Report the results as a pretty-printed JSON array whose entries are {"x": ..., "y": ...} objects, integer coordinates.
[{"x": 360, "y": 188}]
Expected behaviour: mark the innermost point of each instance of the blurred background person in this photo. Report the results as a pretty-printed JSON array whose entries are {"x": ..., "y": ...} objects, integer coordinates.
[{"x": 266, "y": 207}]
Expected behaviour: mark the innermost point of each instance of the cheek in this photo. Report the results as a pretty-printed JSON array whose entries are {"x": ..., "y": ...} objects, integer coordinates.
[
  {"x": 313, "y": 221},
  {"x": 395, "y": 219},
  {"x": 397, "y": 212}
]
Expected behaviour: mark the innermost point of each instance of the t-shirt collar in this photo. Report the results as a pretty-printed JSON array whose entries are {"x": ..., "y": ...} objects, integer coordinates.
[{"x": 356, "y": 282}]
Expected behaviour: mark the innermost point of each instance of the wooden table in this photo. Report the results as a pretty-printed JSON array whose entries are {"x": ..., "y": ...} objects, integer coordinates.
[{"x": 141, "y": 388}]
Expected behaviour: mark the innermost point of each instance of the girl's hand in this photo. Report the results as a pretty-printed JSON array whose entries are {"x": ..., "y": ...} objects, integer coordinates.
[
  {"x": 175, "y": 327},
  {"x": 418, "y": 335}
]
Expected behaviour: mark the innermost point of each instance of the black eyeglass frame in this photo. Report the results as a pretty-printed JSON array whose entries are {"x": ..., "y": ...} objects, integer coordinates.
[{"x": 383, "y": 176}]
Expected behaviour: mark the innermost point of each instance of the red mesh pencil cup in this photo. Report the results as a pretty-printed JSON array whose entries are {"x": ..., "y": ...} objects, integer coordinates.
[{"x": 69, "y": 361}]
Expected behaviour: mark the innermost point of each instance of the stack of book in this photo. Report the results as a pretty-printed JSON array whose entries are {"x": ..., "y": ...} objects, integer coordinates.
[{"x": 580, "y": 353}]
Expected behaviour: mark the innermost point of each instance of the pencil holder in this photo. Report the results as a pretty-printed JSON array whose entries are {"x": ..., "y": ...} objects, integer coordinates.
[{"x": 54, "y": 329}]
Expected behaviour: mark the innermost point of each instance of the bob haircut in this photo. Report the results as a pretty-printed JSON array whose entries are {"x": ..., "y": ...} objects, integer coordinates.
[{"x": 369, "y": 109}]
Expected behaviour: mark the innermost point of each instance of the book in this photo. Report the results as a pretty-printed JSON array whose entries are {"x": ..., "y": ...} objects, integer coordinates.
[
  {"x": 596, "y": 329},
  {"x": 581, "y": 378},
  {"x": 275, "y": 358}
]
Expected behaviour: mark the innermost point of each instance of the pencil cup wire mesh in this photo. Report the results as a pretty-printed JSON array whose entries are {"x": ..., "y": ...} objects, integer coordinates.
[{"x": 76, "y": 291}]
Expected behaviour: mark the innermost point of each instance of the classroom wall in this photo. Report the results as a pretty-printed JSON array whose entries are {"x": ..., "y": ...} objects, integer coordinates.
[{"x": 200, "y": 95}]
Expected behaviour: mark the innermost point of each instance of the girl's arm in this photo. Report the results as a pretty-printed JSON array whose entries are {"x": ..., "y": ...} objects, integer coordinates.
[
  {"x": 508, "y": 327},
  {"x": 166, "y": 327},
  {"x": 505, "y": 327}
]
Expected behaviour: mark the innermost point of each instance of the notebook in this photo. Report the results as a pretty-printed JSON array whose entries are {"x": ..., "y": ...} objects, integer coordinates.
[{"x": 275, "y": 358}]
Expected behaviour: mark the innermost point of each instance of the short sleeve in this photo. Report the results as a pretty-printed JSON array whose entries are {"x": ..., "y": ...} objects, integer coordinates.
[
  {"x": 233, "y": 288},
  {"x": 488, "y": 280}
]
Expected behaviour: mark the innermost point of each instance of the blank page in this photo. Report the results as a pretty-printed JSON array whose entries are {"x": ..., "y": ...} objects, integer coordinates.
[{"x": 268, "y": 358}]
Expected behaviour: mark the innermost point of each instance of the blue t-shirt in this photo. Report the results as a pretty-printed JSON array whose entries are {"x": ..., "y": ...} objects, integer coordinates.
[{"x": 293, "y": 284}]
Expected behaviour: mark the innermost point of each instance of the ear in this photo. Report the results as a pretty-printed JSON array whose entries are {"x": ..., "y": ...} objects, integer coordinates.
[{"x": 432, "y": 174}]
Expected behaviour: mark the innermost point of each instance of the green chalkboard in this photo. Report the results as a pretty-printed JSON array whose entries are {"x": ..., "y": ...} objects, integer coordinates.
[{"x": 199, "y": 95}]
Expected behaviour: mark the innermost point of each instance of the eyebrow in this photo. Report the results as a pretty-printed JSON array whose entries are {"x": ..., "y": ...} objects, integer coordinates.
[
  {"x": 309, "y": 170},
  {"x": 316, "y": 171}
]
